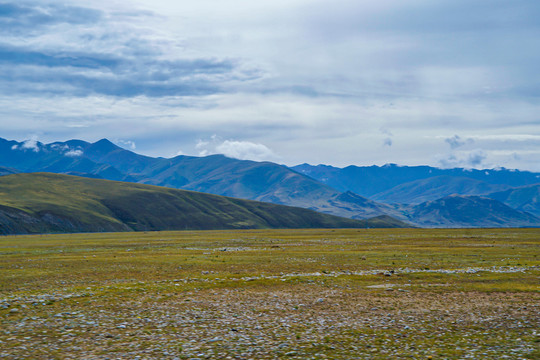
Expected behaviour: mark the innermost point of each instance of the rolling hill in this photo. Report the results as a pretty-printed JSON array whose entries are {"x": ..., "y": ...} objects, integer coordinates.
[{"x": 46, "y": 202}]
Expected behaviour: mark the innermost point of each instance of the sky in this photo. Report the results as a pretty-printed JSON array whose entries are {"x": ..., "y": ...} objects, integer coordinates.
[{"x": 446, "y": 83}]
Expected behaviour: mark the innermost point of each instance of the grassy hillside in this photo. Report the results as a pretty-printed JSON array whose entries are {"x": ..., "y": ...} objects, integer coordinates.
[{"x": 44, "y": 202}]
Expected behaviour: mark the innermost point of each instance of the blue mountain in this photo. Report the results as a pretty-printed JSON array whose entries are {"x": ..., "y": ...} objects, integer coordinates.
[{"x": 355, "y": 192}]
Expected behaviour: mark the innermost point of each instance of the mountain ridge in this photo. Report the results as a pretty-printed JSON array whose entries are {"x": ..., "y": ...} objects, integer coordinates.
[
  {"x": 370, "y": 180},
  {"x": 470, "y": 211},
  {"x": 395, "y": 190}
]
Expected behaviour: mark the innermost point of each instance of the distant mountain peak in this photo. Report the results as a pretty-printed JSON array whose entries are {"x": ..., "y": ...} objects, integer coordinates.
[
  {"x": 101, "y": 148},
  {"x": 105, "y": 143}
]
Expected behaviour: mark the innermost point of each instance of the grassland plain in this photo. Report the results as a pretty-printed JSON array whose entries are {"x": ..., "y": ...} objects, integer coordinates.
[{"x": 271, "y": 294}]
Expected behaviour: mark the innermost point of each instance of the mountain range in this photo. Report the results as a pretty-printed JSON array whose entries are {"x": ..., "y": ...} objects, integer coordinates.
[{"x": 421, "y": 195}]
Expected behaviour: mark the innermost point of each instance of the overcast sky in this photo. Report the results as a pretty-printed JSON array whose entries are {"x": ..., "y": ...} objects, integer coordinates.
[{"x": 448, "y": 83}]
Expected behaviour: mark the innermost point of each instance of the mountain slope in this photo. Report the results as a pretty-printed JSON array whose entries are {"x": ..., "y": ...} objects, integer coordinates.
[
  {"x": 525, "y": 198},
  {"x": 44, "y": 202},
  {"x": 469, "y": 211},
  {"x": 419, "y": 191},
  {"x": 7, "y": 171},
  {"x": 56, "y": 157},
  {"x": 370, "y": 180},
  {"x": 215, "y": 174},
  {"x": 262, "y": 181},
  {"x": 355, "y": 206}
]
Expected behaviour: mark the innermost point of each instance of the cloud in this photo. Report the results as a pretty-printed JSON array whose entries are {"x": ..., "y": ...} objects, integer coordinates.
[
  {"x": 388, "y": 140},
  {"x": 469, "y": 159},
  {"x": 243, "y": 150},
  {"x": 30, "y": 144},
  {"x": 456, "y": 141},
  {"x": 59, "y": 147},
  {"x": 31, "y": 16},
  {"x": 128, "y": 143},
  {"x": 476, "y": 158},
  {"x": 202, "y": 146},
  {"x": 79, "y": 74},
  {"x": 80, "y": 51},
  {"x": 508, "y": 137},
  {"x": 73, "y": 153}
]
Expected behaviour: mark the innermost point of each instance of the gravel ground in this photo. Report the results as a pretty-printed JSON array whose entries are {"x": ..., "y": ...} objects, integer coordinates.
[{"x": 287, "y": 321}]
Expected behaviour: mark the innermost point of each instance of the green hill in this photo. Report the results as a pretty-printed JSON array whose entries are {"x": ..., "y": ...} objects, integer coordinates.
[{"x": 45, "y": 202}]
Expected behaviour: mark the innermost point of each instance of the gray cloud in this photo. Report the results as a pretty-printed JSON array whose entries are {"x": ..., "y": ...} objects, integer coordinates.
[
  {"x": 456, "y": 141},
  {"x": 476, "y": 158},
  {"x": 469, "y": 159},
  {"x": 16, "y": 17},
  {"x": 126, "y": 65}
]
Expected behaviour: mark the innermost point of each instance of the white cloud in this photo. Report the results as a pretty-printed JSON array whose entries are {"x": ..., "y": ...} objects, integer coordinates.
[
  {"x": 29, "y": 144},
  {"x": 243, "y": 150},
  {"x": 73, "y": 153},
  {"x": 59, "y": 147},
  {"x": 201, "y": 147},
  {"x": 123, "y": 143}
]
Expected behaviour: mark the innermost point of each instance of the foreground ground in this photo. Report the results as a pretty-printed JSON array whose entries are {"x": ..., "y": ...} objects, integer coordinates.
[{"x": 304, "y": 294}]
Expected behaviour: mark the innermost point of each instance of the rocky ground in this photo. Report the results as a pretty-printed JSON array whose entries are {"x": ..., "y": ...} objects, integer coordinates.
[{"x": 295, "y": 321}]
